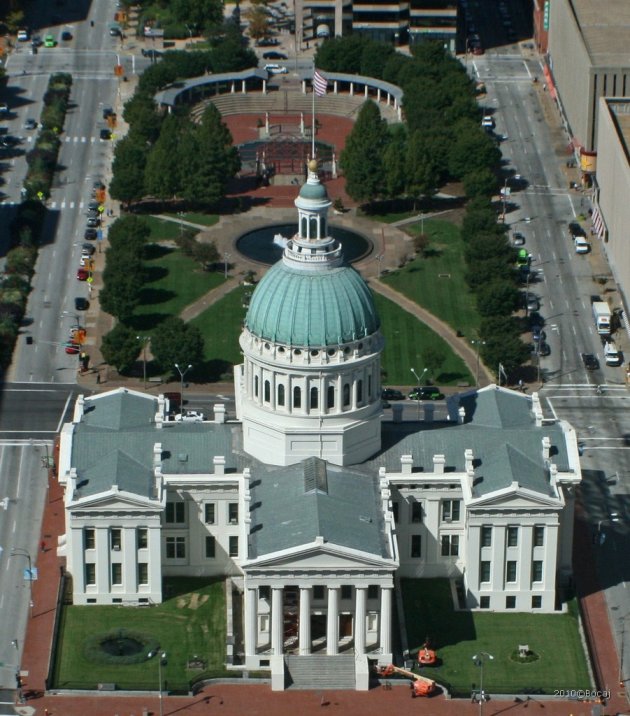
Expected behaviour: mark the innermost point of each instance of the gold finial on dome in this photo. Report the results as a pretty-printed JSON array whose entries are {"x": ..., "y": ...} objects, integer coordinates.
[{"x": 312, "y": 165}]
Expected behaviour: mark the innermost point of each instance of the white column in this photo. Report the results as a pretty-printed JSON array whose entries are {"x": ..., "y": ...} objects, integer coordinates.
[
  {"x": 386, "y": 620},
  {"x": 251, "y": 620},
  {"x": 305, "y": 621},
  {"x": 277, "y": 621},
  {"x": 359, "y": 620},
  {"x": 332, "y": 622}
]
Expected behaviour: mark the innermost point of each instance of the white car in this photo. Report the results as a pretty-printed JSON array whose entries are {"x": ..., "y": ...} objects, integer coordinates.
[
  {"x": 190, "y": 416},
  {"x": 276, "y": 69},
  {"x": 22, "y": 36},
  {"x": 581, "y": 245}
]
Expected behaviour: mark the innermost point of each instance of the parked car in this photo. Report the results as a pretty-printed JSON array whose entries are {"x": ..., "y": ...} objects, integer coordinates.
[
  {"x": 22, "y": 35},
  {"x": 81, "y": 304},
  {"x": 107, "y": 112},
  {"x": 105, "y": 134},
  {"x": 268, "y": 42},
  {"x": 518, "y": 239},
  {"x": 274, "y": 55},
  {"x": 82, "y": 274},
  {"x": 37, "y": 41},
  {"x": 30, "y": 123},
  {"x": 90, "y": 234},
  {"x": 93, "y": 222},
  {"x": 575, "y": 229},
  {"x": 49, "y": 41},
  {"x": 152, "y": 54},
  {"x": 590, "y": 361},
  {"x": 488, "y": 122},
  {"x": 391, "y": 394},
  {"x": 9, "y": 141},
  {"x": 541, "y": 349},
  {"x": 426, "y": 392},
  {"x": 538, "y": 333},
  {"x": 581, "y": 245},
  {"x": 66, "y": 36},
  {"x": 190, "y": 416},
  {"x": 72, "y": 348},
  {"x": 531, "y": 302},
  {"x": 88, "y": 249},
  {"x": 276, "y": 69}
]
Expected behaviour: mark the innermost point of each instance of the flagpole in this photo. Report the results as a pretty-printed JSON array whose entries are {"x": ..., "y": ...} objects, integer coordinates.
[{"x": 313, "y": 120}]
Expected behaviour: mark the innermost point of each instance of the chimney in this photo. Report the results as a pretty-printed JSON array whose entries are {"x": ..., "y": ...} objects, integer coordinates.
[
  {"x": 406, "y": 463},
  {"x": 159, "y": 419},
  {"x": 219, "y": 413},
  {"x": 72, "y": 479},
  {"x": 537, "y": 410},
  {"x": 546, "y": 444},
  {"x": 78, "y": 409},
  {"x": 461, "y": 415},
  {"x": 438, "y": 464},
  {"x": 429, "y": 410},
  {"x": 219, "y": 464},
  {"x": 157, "y": 455},
  {"x": 469, "y": 459}
]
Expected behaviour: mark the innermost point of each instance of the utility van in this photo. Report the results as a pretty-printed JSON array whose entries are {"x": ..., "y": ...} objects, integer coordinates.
[{"x": 612, "y": 355}]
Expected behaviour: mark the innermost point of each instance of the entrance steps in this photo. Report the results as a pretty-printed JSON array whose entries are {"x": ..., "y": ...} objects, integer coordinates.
[{"x": 316, "y": 672}]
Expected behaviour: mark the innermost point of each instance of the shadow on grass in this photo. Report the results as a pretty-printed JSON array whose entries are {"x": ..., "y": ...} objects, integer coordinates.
[
  {"x": 147, "y": 321},
  {"x": 215, "y": 370},
  {"x": 154, "y": 273},
  {"x": 152, "y": 296},
  {"x": 155, "y": 251},
  {"x": 449, "y": 378}
]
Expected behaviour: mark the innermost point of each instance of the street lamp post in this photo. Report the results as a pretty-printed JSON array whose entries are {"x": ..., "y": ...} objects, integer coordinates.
[
  {"x": 477, "y": 343},
  {"x": 479, "y": 661},
  {"x": 379, "y": 258},
  {"x": 226, "y": 260},
  {"x": 22, "y": 552},
  {"x": 145, "y": 340},
  {"x": 419, "y": 379},
  {"x": 161, "y": 662},
  {"x": 181, "y": 215},
  {"x": 182, "y": 373}
]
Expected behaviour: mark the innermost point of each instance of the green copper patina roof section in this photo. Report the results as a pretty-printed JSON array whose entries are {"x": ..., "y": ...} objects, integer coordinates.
[
  {"x": 312, "y": 308},
  {"x": 314, "y": 192}
]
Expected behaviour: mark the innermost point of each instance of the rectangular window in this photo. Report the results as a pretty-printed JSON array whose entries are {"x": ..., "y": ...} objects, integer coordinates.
[
  {"x": 450, "y": 510},
  {"x": 484, "y": 571},
  {"x": 416, "y": 546},
  {"x": 537, "y": 570},
  {"x": 510, "y": 602},
  {"x": 318, "y": 592},
  {"x": 416, "y": 512},
  {"x": 512, "y": 536},
  {"x": 539, "y": 536},
  {"x": 89, "y": 538},
  {"x": 116, "y": 573},
  {"x": 142, "y": 536},
  {"x": 346, "y": 591},
  {"x": 233, "y": 546},
  {"x": 486, "y": 536},
  {"x": 264, "y": 593},
  {"x": 510, "y": 571},
  {"x": 233, "y": 513},
  {"x": 115, "y": 535},
  {"x": 175, "y": 513},
  {"x": 210, "y": 547},
  {"x": 209, "y": 515},
  {"x": 484, "y": 602},
  {"x": 143, "y": 573},
  {"x": 536, "y": 601},
  {"x": 372, "y": 592},
  {"x": 450, "y": 545},
  {"x": 90, "y": 573},
  {"x": 176, "y": 548},
  {"x": 395, "y": 511}
]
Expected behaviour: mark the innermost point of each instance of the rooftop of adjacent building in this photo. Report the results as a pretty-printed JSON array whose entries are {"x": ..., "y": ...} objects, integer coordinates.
[
  {"x": 605, "y": 27},
  {"x": 620, "y": 109}
]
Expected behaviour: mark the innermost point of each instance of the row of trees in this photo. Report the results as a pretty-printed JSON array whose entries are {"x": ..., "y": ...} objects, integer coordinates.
[
  {"x": 124, "y": 278},
  {"x": 170, "y": 156},
  {"x": 441, "y": 139}
]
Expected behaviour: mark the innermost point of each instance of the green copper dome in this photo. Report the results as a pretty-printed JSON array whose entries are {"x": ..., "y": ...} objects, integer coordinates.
[
  {"x": 311, "y": 309},
  {"x": 314, "y": 192}
]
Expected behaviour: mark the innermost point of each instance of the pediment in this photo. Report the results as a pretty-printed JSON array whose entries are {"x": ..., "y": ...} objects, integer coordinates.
[
  {"x": 114, "y": 501},
  {"x": 515, "y": 500},
  {"x": 318, "y": 558}
]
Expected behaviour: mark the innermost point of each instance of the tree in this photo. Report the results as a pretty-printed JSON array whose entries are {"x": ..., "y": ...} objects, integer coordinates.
[
  {"x": 508, "y": 350},
  {"x": 177, "y": 342},
  {"x": 480, "y": 182},
  {"x": 362, "y": 157},
  {"x": 128, "y": 168},
  {"x": 205, "y": 14},
  {"x": 471, "y": 147},
  {"x": 128, "y": 235},
  {"x": 167, "y": 160},
  {"x": 484, "y": 246},
  {"x": 394, "y": 159},
  {"x": 120, "y": 347},
  {"x": 205, "y": 254},
  {"x": 123, "y": 280},
  {"x": 433, "y": 358},
  {"x": 258, "y": 18},
  {"x": 497, "y": 298},
  {"x": 421, "y": 171},
  {"x": 480, "y": 272}
]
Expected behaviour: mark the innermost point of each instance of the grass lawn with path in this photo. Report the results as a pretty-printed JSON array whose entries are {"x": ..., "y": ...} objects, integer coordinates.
[
  {"x": 190, "y": 622},
  {"x": 436, "y": 281},
  {"x": 173, "y": 282},
  {"x": 458, "y": 636},
  {"x": 195, "y": 218},
  {"x": 405, "y": 340}
]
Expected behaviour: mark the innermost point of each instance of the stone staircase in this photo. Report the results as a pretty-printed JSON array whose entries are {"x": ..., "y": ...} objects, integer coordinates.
[{"x": 320, "y": 672}]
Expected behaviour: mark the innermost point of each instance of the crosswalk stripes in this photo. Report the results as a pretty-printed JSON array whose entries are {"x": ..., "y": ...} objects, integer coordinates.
[{"x": 79, "y": 140}]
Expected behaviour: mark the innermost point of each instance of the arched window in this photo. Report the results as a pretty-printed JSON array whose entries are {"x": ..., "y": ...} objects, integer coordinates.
[
  {"x": 303, "y": 227},
  {"x": 297, "y": 397},
  {"x": 280, "y": 394},
  {"x": 255, "y": 386},
  {"x": 312, "y": 227},
  {"x": 267, "y": 391},
  {"x": 330, "y": 402},
  {"x": 369, "y": 387},
  {"x": 359, "y": 391},
  {"x": 346, "y": 395},
  {"x": 314, "y": 399},
  {"x": 322, "y": 226}
]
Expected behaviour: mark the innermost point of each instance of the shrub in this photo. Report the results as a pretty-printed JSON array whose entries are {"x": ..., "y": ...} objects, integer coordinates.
[{"x": 93, "y": 647}]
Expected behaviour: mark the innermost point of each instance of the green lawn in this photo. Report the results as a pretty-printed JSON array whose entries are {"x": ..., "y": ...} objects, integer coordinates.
[
  {"x": 162, "y": 230},
  {"x": 174, "y": 281},
  {"x": 190, "y": 623},
  {"x": 405, "y": 339},
  {"x": 458, "y": 636},
  {"x": 221, "y": 326},
  {"x": 437, "y": 282},
  {"x": 196, "y": 218}
]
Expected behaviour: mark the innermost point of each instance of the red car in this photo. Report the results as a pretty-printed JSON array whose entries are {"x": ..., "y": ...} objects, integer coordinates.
[
  {"x": 83, "y": 274},
  {"x": 72, "y": 348}
]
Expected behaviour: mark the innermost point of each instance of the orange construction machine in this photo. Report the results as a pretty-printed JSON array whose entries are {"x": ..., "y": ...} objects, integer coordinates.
[
  {"x": 420, "y": 684},
  {"x": 427, "y": 657}
]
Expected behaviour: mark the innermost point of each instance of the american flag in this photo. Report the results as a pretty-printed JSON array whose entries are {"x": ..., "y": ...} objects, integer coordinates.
[{"x": 320, "y": 84}]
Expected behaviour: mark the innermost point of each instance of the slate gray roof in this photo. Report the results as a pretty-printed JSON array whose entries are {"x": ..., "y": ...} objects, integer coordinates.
[
  {"x": 113, "y": 445},
  {"x": 171, "y": 95},
  {"x": 291, "y": 506},
  {"x": 500, "y": 430}
]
